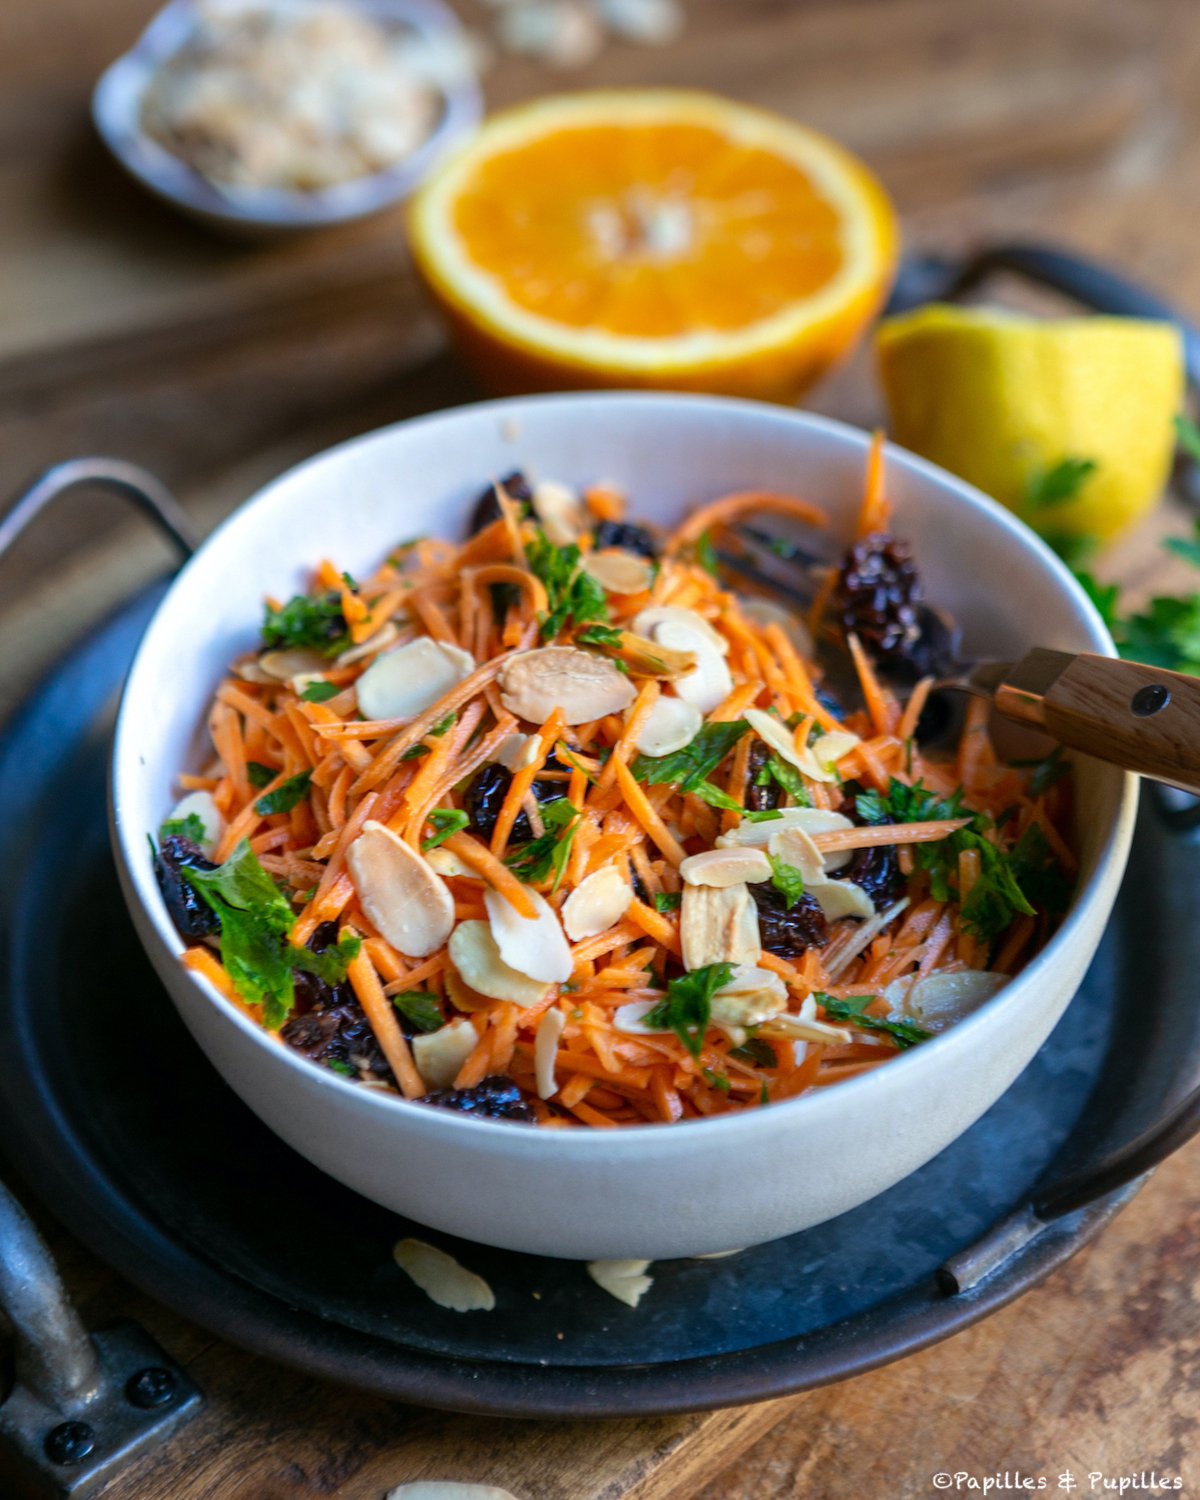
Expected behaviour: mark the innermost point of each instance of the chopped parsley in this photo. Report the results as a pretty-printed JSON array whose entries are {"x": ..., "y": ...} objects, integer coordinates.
[
  {"x": 1046, "y": 771},
  {"x": 421, "y": 1009},
  {"x": 786, "y": 879},
  {"x": 715, "y": 797},
  {"x": 331, "y": 963},
  {"x": 259, "y": 775},
  {"x": 716, "y": 1080},
  {"x": 851, "y": 1010},
  {"x": 599, "y": 635},
  {"x": 574, "y": 595},
  {"x": 777, "y": 769},
  {"x": 689, "y": 768},
  {"x": 446, "y": 821},
  {"x": 336, "y": 1065},
  {"x": 190, "y": 827},
  {"x": 756, "y": 1051},
  {"x": 437, "y": 732},
  {"x": 686, "y": 1008},
  {"x": 1046, "y": 488},
  {"x": 706, "y": 554},
  {"x": 665, "y": 901},
  {"x": 320, "y": 692},
  {"x": 548, "y": 851},
  {"x": 285, "y": 796},
  {"x": 314, "y": 620}
]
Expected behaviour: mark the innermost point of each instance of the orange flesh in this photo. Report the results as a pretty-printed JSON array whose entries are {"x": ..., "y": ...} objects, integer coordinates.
[{"x": 649, "y": 230}]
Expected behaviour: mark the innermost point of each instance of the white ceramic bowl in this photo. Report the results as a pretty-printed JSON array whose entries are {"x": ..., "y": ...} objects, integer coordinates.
[
  {"x": 259, "y": 213},
  {"x": 648, "y": 1191}
]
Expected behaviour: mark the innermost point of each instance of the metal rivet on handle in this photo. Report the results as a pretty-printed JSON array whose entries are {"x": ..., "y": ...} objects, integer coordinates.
[
  {"x": 69, "y": 1443},
  {"x": 1150, "y": 699},
  {"x": 151, "y": 1387}
]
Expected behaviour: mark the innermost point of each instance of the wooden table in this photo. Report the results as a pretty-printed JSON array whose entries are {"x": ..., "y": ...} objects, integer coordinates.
[{"x": 124, "y": 329}]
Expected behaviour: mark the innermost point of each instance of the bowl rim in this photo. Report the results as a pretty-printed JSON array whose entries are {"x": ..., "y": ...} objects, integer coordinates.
[
  {"x": 718, "y": 1129},
  {"x": 116, "y": 114}
]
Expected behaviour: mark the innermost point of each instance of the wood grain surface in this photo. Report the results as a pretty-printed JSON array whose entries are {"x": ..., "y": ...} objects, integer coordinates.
[{"x": 124, "y": 329}]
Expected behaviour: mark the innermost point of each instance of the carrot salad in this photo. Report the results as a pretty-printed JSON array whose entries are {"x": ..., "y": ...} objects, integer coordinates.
[{"x": 555, "y": 826}]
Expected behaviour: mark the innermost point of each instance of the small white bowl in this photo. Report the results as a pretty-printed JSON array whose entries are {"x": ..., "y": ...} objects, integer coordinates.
[
  {"x": 642, "y": 1191},
  {"x": 268, "y": 212}
]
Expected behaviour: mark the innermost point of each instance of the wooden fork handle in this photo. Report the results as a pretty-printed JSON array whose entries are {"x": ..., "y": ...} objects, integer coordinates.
[{"x": 1142, "y": 718}]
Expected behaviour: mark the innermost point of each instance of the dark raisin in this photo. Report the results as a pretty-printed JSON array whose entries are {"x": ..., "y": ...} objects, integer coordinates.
[
  {"x": 485, "y": 797},
  {"x": 876, "y": 870},
  {"x": 877, "y": 594},
  {"x": 624, "y": 534},
  {"x": 761, "y": 798},
  {"x": 787, "y": 932},
  {"x": 334, "y": 1029},
  {"x": 191, "y": 913},
  {"x": 487, "y": 507},
  {"x": 496, "y": 1098}
]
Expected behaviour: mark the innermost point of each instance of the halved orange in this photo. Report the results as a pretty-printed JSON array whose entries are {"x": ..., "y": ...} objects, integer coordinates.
[{"x": 653, "y": 237}]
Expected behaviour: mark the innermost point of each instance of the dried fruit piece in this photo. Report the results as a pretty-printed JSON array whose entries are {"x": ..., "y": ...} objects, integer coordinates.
[
  {"x": 476, "y": 956},
  {"x": 404, "y": 897},
  {"x": 724, "y": 867},
  {"x": 412, "y": 678},
  {"x": 627, "y": 536},
  {"x": 619, "y": 572},
  {"x": 718, "y": 924},
  {"x": 496, "y": 1098},
  {"x": 626, "y": 1280},
  {"x": 545, "y": 1051},
  {"x": 786, "y": 931},
  {"x": 752, "y": 996},
  {"x": 583, "y": 685},
  {"x": 596, "y": 904},
  {"x": 535, "y": 947},
  {"x": 440, "y": 1054},
  {"x": 710, "y": 683},
  {"x": 560, "y": 510},
  {"x": 441, "y": 1277},
  {"x": 877, "y": 595},
  {"x": 670, "y": 726},
  {"x": 190, "y": 912}
]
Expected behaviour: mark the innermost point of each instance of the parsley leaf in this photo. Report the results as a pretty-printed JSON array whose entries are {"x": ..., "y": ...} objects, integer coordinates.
[
  {"x": 756, "y": 1051},
  {"x": 690, "y": 766},
  {"x": 331, "y": 963},
  {"x": 336, "y": 1065},
  {"x": 314, "y": 620},
  {"x": 1056, "y": 485},
  {"x": 319, "y": 692},
  {"x": 1046, "y": 771},
  {"x": 706, "y": 554},
  {"x": 445, "y": 820},
  {"x": 786, "y": 879},
  {"x": 598, "y": 635},
  {"x": 259, "y": 775},
  {"x": 767, "y": 815},
  {"x": 573, "y": 594},
  {"x": 665, "y": 901},
  {"x": 421, "y": 1009},
  {"x": 715, "y": 797},
  {"x": 190, "y": 827},
  {"x": 688, "y": 1004},
  {"x": 905, "y": 1033},
  {"x": 534, "y": 860},
  {"x": 777, "y": 769},
  {"x": 716, "y": 1080},
  {"x": 286, "y": 795},
  {"x": 437, "y": 731}
]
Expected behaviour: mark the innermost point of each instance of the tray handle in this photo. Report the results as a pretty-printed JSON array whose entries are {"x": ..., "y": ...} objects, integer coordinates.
[{"x": 131, "y": 481}]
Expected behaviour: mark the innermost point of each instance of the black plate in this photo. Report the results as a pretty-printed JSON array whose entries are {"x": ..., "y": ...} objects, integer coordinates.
[{"x": 129, "y": 1135}]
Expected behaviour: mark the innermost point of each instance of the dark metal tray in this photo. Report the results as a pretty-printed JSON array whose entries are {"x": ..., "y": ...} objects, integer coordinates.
[{"x": 124, "y": 1129}]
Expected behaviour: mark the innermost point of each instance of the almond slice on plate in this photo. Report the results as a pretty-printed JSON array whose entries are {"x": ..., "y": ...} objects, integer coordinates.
[
  {"x": 412, "y": 678},
  {"x": 596, "y": 904},
  {"x": 405, "y": 898},
  {"x": 285, "y": 663},
  {"x": 751, "y": 997},
  {"x": 794, "y": 846},
  {"x": 474, "y": 953},
  {"x": 560, "y": 510},
  {"x": 441, "y": 1277},
  {"x": 618, "y": 571},
  {"x": 626, "y": 1280},
  {"x": 631, "y": 1019},
  {"x": 535, "y": 947},
  {"x": 842, "y": 898},
  {"x": 774, "y": 732}
]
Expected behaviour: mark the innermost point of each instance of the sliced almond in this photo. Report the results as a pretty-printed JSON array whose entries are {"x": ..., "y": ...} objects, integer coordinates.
[
  {"x": 794, "y": 846},
  {"x": 767, "y": 612},
  {"x": 796, "y": 1028},
  {"x": 406, "y": 899},
  {"x": 583, "y": 685},
  {"x": 441, "y": 1277},
  {"x": 474, "y": 953},
  {"x": 249, "y": 670},
  {"x": 618, "y": 571},
  {"x": 533, "y": 946},
  {"x": 284, "y": 664},
  {"x": 545, "y": 1051},
  {"x": 630, "y": 1018},
  {"x": 710, "y": 683},
  {"x": 647, "y": 621},
  {"x": 940, "y": 1000},
  {"x": 462, "y": 996},
  {"x": 751, "y": 997},
  {"x": 412, "y": 678},
  {"x": 722, "y": 867},
  {"x": 560, "y": 510},
  {"x": 623, "y": 1279},
  {"x": 774, "y": 732},
  {"x": 718, "y": 924},
  {"x": 440, "y": 1054},
  {"x": 842, "y": 898},
  {"x": 760, "y": 833},
  {"x": 830, "y": 748},
  {"x": 383, "y": 637},
  {"x": 670, "y": 725},
  {"x": 511, "y": 749},
  {"x": 200, "y": 805},
  {"x": 445, "y": 862},
  {"x": 596, "y": 904},
  {"x": 447, "y": 1489},
  {"x": 649, "y": 658}
]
